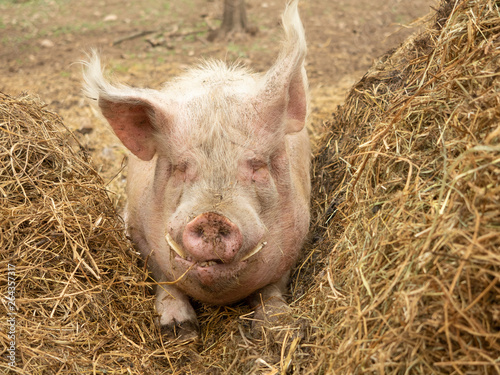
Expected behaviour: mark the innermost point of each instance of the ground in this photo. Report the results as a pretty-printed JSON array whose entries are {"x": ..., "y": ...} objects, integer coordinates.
[{"x": 43, "y": 41}]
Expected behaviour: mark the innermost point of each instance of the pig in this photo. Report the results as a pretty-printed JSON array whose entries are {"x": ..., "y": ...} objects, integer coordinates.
[{"x": 218, "y": 184}]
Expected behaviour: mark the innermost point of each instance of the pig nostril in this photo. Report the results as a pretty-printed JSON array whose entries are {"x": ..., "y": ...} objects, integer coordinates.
[{"x": 199, "y": 232}]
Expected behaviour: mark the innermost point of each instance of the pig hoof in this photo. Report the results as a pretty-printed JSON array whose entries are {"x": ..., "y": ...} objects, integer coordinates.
[
  {"x": 180, "y": 331},
  {"x": 269, "y": 314}
]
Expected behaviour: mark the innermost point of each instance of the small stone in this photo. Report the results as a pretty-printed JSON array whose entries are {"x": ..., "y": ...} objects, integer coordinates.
[
  {"x": 110, "y": 17},
  {"x": 46, "y": 43}
]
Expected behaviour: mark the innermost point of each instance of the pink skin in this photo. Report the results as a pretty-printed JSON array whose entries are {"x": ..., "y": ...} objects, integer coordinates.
[
  {"x": 268, "y": 204},
  {"x": 218, "y": 179},
  {"x": 231, "y": 279},
  {"x": 211, "y": 237}
]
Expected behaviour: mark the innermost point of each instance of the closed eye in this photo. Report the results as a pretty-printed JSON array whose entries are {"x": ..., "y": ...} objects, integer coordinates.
[
  {"x": 181, "y": 167},
  {"x": 256, "y": 164}
]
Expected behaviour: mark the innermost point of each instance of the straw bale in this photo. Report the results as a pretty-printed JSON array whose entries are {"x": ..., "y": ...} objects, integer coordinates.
[
  {"x": 77, "y": 289},
  {"x": 411, "y": 171}
]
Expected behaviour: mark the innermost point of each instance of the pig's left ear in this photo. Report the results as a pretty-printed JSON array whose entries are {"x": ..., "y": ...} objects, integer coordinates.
[
  {"x": 134, "y": 114},
  {"x": 284, "y": 99}
]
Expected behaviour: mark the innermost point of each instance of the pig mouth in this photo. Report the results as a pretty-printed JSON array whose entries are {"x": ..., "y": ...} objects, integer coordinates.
[{"x": 180, "y": 252}]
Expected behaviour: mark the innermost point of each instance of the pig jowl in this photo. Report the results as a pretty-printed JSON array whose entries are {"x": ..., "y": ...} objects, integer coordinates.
[{"x": 218, "y": 179}]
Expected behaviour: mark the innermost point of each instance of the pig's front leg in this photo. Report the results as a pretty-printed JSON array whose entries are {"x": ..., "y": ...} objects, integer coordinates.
[
  {"x": 177, "y": 318},
  {"x": 269, "y": 304}
]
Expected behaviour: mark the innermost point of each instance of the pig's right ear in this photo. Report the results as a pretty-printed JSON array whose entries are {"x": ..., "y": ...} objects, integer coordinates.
[
  {"x": 132, "y": 113},
  {"x": 283, "y": 98}
]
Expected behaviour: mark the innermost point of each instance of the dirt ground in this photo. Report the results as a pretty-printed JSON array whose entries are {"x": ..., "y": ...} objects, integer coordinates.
[{"x": 42, "y": 41}]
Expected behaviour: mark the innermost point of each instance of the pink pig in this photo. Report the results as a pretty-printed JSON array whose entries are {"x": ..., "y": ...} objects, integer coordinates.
[{"x": 218, "y": 179}]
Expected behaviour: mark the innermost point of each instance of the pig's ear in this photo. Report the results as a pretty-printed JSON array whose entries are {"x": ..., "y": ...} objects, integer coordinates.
[
  {"x": 132, "y": 113},
  {"x": 284, "y": 99}
]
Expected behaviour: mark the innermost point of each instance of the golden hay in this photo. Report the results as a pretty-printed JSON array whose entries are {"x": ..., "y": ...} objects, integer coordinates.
[
  {"x": 75, "y": 283},
  {"x": 402, "y": 272},
  {"x": 413, "y": 281}
]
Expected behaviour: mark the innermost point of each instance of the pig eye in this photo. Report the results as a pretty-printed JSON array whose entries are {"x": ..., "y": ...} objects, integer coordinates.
[
  {"x": 259, "y": 171},
  {"x": 257, "y": 164},
  {"x": 181, "y": 167}
]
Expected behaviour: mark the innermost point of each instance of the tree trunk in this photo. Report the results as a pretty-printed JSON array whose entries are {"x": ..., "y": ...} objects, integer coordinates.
[
  {"x": 235, "y": 16},
  {"x": 234, "y": 20}
]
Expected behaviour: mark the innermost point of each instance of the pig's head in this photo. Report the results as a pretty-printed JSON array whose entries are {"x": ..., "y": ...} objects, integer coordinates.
[{"x": 218, "y": 183}]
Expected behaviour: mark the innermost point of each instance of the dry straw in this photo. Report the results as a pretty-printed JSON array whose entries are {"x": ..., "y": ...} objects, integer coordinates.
[
  {"x": 413, "y": 280},
  {"x": 401, "y": 275},
  {"x": 75, "y": 278}
]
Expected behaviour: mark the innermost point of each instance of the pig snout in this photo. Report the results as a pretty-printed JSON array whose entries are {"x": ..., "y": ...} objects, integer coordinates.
[{"x": 211, "y": 237}]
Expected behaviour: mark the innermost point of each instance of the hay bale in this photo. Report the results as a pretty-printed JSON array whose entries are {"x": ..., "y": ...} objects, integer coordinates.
[
  {"x": 412, "y": 283},
  {"x": 76, "y": 286}
]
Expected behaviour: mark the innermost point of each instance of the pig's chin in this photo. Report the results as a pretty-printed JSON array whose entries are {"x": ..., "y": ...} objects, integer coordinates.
[
  {"x": 213, "y": 280},
  {"x": 210, "y": 273}
]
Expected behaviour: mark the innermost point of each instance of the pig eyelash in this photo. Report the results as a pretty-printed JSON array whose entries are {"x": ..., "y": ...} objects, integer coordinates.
[
  {"x": 256, "y": 164},
  {"x": 181, "y": 167}
]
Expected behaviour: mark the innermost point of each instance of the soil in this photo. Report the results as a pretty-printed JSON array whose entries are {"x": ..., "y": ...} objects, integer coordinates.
[{"x": 42, "y": 42}]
